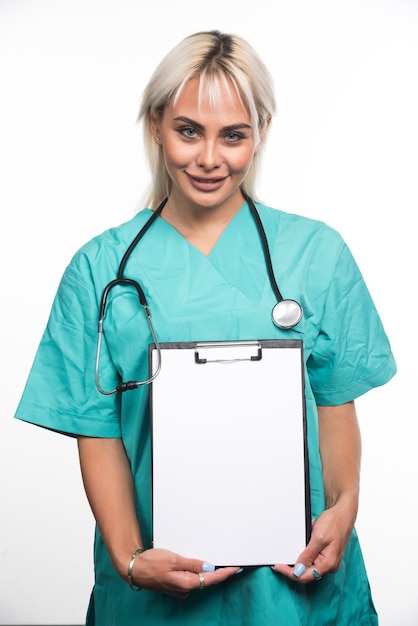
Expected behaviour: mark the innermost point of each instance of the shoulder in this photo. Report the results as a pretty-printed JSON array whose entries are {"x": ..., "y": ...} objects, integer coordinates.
[
  {"x": 293, "y": 220},
  {"x": 115, "y": 238},
  {"x": 300, "y": 230},
  {"x": 102, "y": 254}
]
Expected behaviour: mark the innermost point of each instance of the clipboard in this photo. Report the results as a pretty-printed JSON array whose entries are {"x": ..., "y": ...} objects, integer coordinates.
[{"x": 230, "y": 465}]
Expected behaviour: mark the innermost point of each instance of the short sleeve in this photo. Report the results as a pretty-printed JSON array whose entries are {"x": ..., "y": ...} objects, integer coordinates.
[
  {"x": 351, "y": 353},
  {"x": 60, "y": 392}
]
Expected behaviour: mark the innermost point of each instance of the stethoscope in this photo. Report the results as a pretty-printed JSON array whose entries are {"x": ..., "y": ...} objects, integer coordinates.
[{"x": 286, "y": 313}]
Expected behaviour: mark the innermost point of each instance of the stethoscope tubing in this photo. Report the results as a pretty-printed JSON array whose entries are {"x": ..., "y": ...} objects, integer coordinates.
[
  {"x": 286, "y": 313},
  {"x": 266, "y": 250},
  {"x": 138, "y": 238}
]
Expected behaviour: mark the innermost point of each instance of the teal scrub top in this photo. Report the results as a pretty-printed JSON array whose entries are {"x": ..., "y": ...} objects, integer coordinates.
[{"x": 224, "y": 296}]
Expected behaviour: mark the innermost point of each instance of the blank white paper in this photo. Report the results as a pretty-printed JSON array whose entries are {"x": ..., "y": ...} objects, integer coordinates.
[{"x": 229, "y": 457}]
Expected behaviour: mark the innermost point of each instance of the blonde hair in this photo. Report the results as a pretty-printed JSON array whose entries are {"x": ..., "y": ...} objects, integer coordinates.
[{"x": 214, "y": 58}]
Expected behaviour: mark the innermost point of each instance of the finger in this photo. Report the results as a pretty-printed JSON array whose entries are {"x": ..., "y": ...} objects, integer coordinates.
[
  {"x": 303, "y": 562},
  {"x": 301, "y": 573},
  {"x": 206, "y": 579},
  {"x": 311, "y": 552},
  {"x": 280, "y": 568},
  {"x": 309, "y": 555},
  {"x": 194, "y": 565},
  {"x": 316, "y": 575}
]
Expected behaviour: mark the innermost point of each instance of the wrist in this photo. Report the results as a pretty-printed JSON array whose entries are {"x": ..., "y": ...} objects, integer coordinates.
[
  {"x": 346, "y": 502},
  {"x": 130, "y": 569},
  {"x": 121, "y": 558}
]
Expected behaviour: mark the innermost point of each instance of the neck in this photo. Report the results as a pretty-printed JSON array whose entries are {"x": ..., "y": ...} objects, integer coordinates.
[{"x": 201, "y": 225}]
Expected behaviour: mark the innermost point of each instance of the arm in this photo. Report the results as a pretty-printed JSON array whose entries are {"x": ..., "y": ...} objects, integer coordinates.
[
  {"x": 109, "y": 487},
  {"x": 340, "y": 449}
]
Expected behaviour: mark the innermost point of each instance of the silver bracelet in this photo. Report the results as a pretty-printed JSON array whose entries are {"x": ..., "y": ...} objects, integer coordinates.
[{"x": 130, "y": 568}]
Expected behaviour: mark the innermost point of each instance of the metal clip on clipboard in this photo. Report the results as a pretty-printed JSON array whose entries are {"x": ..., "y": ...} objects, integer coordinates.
[{"x": 237, "y": 348}]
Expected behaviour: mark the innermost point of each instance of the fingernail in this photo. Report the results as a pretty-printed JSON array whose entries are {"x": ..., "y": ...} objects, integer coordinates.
[
  {"x": 298, "y": 570},
  {"x": 241, "y": 569},
  {"x": 208, "y": 567}
]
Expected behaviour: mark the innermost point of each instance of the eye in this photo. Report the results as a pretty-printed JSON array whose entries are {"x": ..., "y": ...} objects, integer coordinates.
[
  {"x": 233, "y": 137},
  {"x": 188, "y": 131}
]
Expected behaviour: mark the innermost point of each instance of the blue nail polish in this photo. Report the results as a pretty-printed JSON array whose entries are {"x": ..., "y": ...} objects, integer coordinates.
[
  {"x": 208, "y": 567},
  {"x": 241, "y": 569},
  {"x": 298, "y": 570}
]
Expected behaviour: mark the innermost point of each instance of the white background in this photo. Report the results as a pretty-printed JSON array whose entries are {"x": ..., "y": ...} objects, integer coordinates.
[{"x": 343, "y": 148}]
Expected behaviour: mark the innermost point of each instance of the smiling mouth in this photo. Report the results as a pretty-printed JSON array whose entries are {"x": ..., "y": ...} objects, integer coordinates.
[
  {"x": 206, "y": 182},
  {"x": 198, "y": 179}
]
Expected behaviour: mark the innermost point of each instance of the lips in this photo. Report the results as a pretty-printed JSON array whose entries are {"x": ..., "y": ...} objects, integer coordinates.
[
  {"x": 199, "y": 179},
  {"x": 208, "y": 184}
]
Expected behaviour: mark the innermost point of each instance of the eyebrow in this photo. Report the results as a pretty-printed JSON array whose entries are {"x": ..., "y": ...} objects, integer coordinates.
[{"x": 230, "y": 128}]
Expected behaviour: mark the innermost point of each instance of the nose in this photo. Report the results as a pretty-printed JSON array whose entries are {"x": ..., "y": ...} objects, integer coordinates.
[{"x": 209, "y": 156}]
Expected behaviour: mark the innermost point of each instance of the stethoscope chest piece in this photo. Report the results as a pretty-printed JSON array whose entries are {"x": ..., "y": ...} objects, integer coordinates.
[{"x": 286, "y": 314}]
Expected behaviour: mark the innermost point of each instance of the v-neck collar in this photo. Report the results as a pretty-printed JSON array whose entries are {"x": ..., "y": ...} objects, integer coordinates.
[
  {"x": 235, "y": 264},
  {"x": 218, "y": 240}
]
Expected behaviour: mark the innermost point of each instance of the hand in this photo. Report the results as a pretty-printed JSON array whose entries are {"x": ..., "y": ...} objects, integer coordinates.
[
  {"x": 164, "y": 571},
  {"x": 324, "y": 552}
]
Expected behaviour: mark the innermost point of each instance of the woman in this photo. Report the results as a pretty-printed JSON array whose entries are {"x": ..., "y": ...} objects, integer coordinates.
[{"x": 206, "y": 113}]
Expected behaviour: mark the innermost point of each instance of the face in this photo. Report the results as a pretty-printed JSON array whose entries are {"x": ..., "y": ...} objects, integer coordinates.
[{"x": 207, "y": 150}]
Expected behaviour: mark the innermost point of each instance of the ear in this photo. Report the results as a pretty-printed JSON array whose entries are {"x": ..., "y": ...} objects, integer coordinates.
[
  {"x": 263, "y": 132},
  {"x": 153, "y": 122}
]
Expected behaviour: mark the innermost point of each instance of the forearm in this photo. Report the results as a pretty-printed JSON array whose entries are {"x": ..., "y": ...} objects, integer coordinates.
[
  {"x": 340, "y": 448},
  {"x": 109, "y": 486},
  {"x": 108, "y": 483}
]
